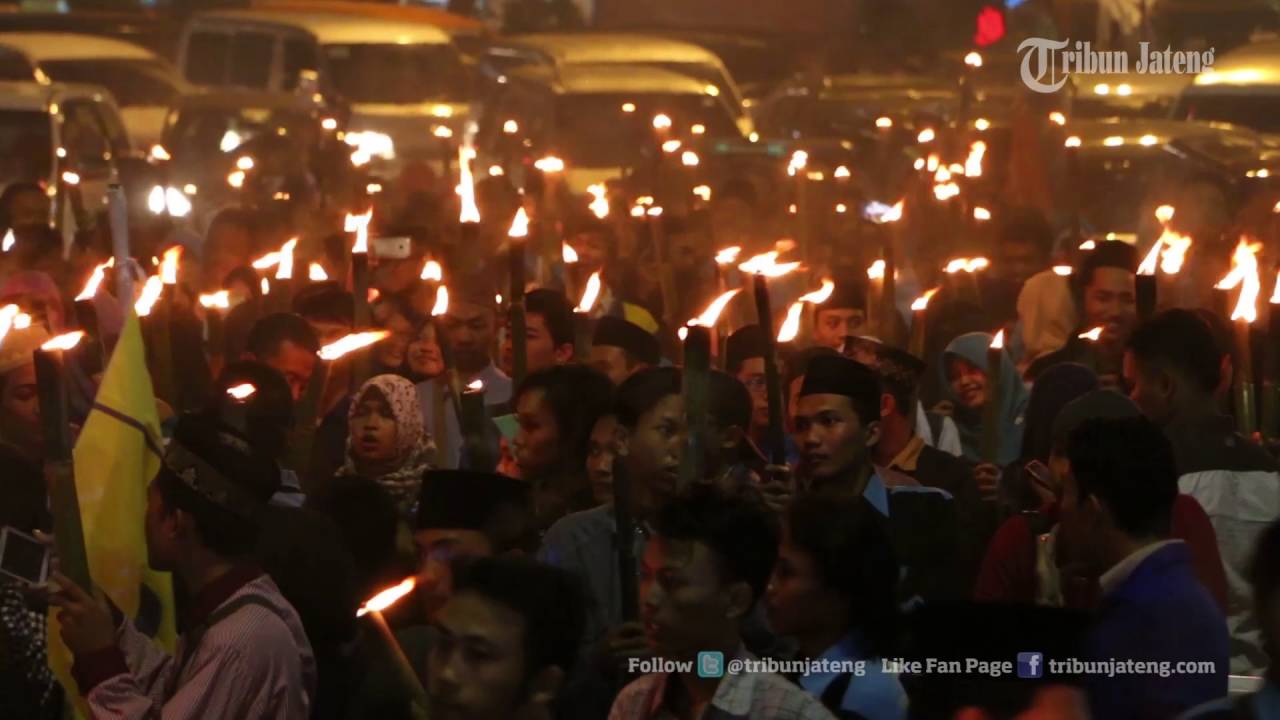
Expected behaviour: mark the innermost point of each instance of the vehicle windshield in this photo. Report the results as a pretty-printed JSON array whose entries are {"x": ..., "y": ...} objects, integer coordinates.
[
  {"x": 593, "y": 131},
  {"x": 130, "y": 82},
  {"x": 26, "y": 146},
  {"x": 1260, "y": 112},
  {"x": 702, "y": 72},
  {"x": 396, "y": 74},
  {"x": 204, "y": 131}
]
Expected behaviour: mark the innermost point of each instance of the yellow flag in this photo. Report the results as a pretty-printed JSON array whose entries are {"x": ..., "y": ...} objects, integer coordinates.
[{"x": 116, "y": 456}]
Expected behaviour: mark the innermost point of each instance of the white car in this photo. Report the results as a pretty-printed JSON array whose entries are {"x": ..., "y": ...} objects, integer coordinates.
[{"x": 141, "y": 82}]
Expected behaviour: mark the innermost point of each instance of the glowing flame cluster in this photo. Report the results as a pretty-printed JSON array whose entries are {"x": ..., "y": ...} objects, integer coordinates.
[
  {"x": 316, "y": 273},
  {"x": 284, "y": 271},
  {"x": 351, "y": 343},
  {"x": 1093, "y": 335},
  {"x": 966, "y": 265},
  {"x": 431, "y": 270},
  {"x": 973, "y": 164},
  {"x": 728, "y": 255},
  {"x": 550, "y": 165},
  {"x": 767, "y": 264},
  {"x": 791, "y": 324},
  {"x": 1170, "y": 249},
  {"x": 921, "y": 303},
  {"x": 568, "y": 254},
  {"x": 799, "y": 161},
  {"x": 386, "y": 598},
  {"x": 590, "y": 294},
  {"x": 241, "y": 392},
  {"x": 220, "y": 300},
  {"x": 1244, "y": 274},
  {"x": 95, "y": 280},
  {"x": 884, "y": 214},
  {"x": 876, "y": 271}
]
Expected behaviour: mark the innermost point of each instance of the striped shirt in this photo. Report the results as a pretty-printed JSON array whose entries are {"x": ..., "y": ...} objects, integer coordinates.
[{"x": 252, "y": 661}]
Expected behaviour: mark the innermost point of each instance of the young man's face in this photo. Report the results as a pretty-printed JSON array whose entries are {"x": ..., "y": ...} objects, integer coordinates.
[
  {"x": 437, "y": 550},
  {"x": 612, "y": 363},
  {"x": 601, "y": 450},
  {"x": 683, "y": 602},
  {"x": 537, "y": 442},
  {"x": 796, "y": 598},
  {"x": 1110, "y": 302},
  {"x": 541, "y": 351},
  {"x": 476, "y": 669},
  {"x": 296, "y": 363},
  {"x": 471, "y": 330},
  {"x": 20, "y": 411},
  {"x": 832, "y": 326},
  {"x": 1150, "y": 389},
  {"x": 751, "y": 374},
  {"x": 1019, "y": 260},
  {"x": 831, "y": 438},
  {"x": 654, "y": 449},
  {"x": 391, "y": 352}
]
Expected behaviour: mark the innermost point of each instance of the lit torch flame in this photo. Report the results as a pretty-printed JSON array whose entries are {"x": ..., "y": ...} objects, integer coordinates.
[
  {"x": 1175, "y": 252},
  {"x": 590, "y": 294},
  {"x": 285, "y": 270},
  {"x": 1093, "y": 335},
  {"x": 876, "y": 271},
  {"x": 316, "y": 273},
  {"x": 600, "y": 203},
  {"x": 791, "y": 325},
  {"x": 151, "y": 292},
  {"x": 966, "y": 265},
  {"x": 351, "y": 343},
  {"x": 359, "y": 224},
  {"x": 821, "y": 295},
  {"x": 220, "y": 300},
  {"x": 997, "y": 342},
  {"x": 386, "y": 598},
  {"x": 95, "y": 280},
  {"x": 431, "y": 270},
  {"x": 550, "y": 165},
  {"x": 1062, "y": 270},
  {"x": 767, "y": 264},
  {"x": 9, "y": 241},
  {"x": 7, "y": 319},
  {"x": 728, "y": 255},
  {"x": 442, "y": 302},
  {"x": 709, "y": 316},
  {"x": 169, "y": 266},
  {"x": 973, "y": 164},
  {"x": 519, "y": 225},
  {"x": 241, "y": 392},
  {"x": 1244, "y": 273},
  {"x": 1148, "y": 264},
  {"x": 469, "y": 212},
  {"x": 477, "y": 385},
  {"x": 1164, "y": 213},
  {"x": 568, "y": 254},
  {"x": 64, "y": 342},
  {"x": 1275, "y": 294},
  {"x": 922, "y": 302}
]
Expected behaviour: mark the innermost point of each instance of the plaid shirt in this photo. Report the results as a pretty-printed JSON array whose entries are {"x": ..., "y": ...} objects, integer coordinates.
[{"x": 754, "y": 696}]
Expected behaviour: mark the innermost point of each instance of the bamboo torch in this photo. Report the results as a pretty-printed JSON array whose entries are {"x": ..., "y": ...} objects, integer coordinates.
[
  {"x": 472, "y": 419},
  {"x": 991, "y": 410},
  {"x": 1271, "y": 371},
  {"x": 51, "y": 388},
  {"x": 372, "y": 610},
  {"x": 695, "y": 382},
  {"x": 1244, "y": 274},
  {"x": 449, "y": 383},
  {"x": 87, "y": 317},
  {"x": 517, "y": 238},
  {"x": 582, "y": 319},
  {"x": 763, "y": 267}
]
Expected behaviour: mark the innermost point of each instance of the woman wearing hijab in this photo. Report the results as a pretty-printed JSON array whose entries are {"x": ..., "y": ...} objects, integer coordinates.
[
  {"x": 964, "y": 368},
  {"x": 387, "y": 442}
]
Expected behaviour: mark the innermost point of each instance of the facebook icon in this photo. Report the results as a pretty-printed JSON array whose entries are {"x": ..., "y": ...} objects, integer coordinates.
[{"x": 1030, "y": 665}]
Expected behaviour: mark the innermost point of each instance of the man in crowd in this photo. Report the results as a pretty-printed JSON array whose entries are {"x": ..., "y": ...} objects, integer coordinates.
[
  {"x": 504, "y": 641},
  {"x": 843, "y": 315},
  {"x": 1174, "y": 368},
  {"x": 1115, "y": 512},
  {"x": 1104, "y": 285},
  {"x": 548, "y": 332},
  {"x": 701, "y": 576},
  {"x": 286, "y": 343},
  {"x": 619, "y": 349},
  {"x": 744, "y": 360},
  {"x": 243, "y": 652}
]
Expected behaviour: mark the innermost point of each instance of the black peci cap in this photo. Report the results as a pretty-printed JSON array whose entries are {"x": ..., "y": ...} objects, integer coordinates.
[
  {"x": 616, "y": 332},
  {"x": 466, "y": 499}
]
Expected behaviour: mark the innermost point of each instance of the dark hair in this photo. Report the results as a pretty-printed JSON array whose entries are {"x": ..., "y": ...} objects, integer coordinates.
[
  {"x": 550, "y": 600},
  {"x": 1264, "y": 571},
  {"x": 366, "y": 519},
  {"x": 899, "y": 382},
  {"x": 1109, "y": 253},
  {"x": 268, "y": 413},
  {"x": 798, "y": 363},
  {"x": 274, "y": 330},
  {"x": 578, "y": 396},
  {"x": 223, "y": 531},
  {"x": 554, "y": 309},
  {"x": 1127, "y": 463},
  {"x": 851, "y": 549},
  {"x": 1181, "y": 341},
  {"x": 729, "y": 402},
  {"x": 1027, "y": 225},
  {"x": 326, "y": 303},
  {"x": 641, "y": 392},
  {"x": 741, "y": 533}
]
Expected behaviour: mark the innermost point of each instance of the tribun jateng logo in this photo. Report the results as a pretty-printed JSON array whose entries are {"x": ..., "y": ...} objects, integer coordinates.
[{"x": 1048, "y": 64}]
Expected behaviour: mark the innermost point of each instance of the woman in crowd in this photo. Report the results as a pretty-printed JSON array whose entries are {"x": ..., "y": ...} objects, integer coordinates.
[
  {"x": 965, "y": 380},
  {"x": 423, "y": 358},
  {"x": 387, "y": 441}
]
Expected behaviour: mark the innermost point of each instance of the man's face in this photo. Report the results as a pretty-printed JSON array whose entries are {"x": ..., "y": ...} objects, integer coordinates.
[
  {"x": 1151, "y": 389},
  {"x": 655, "y": 447},
  {"x": 612, "y": 362},
  {"x": 476, "y": 668},
  {"x": 832, "y": 440},
  {"x": 1109, "y": 301},
  {"x": 832, "y": 326},
  {"x": 593, "y": 249},
  {"x": 541, "y": 351},
  {"x": 796, "y": 598},
  {"x": 1018, "y": 261},
  {"x": 296, "y": 363},
  {"x": 684, "y": 603},
  {"x": 471, "y": 329},
  {"x": 20, "y": 411},
  {"x": 437, "y": 549},
  {"x": 423, "y": 354},
  {"x": 751, "y": 374},
  {"x": 601, "y": 450},
  {"x": 537, "y": 442}
]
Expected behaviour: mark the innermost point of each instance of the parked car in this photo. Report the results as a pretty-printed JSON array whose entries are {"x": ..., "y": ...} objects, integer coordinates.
[
  {"x": 1242, "y": 87},
  {"x": 140, "y": 81}
]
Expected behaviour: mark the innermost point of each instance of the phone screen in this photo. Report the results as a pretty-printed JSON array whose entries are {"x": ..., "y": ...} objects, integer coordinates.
[{"x": 23, "y": 556}]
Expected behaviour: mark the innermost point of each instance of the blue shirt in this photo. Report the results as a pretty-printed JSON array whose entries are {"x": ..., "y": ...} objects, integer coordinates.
[
  {"x": 497, "y": 391},
  {"x": 875, "y": 695}
]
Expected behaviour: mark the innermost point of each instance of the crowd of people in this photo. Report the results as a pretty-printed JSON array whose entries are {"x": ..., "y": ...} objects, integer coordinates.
[{"x": 1074, "y": 498}]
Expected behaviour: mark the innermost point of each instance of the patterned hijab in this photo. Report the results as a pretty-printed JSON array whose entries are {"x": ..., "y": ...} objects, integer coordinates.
[{"x": 414, "y": 448}]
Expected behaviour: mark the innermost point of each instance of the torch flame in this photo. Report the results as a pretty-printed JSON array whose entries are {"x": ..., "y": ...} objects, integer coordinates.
[
  {"x": 728, "y": 255},
  {"x": 265, "y": 286},
  {"x": 1275, "y": 294},
  {"x": 431, "y": 270},
  {"x": 568, "y": 254},
  {"x": 550, "y": 165},
  {"x": 1062, "y": 270},
  {"x": 1148, "y": 264},
  {"x": 973, "y": 164},
  {"x": 876, "y": 271},
  {"x": 285, "y": 269},
  {"x": 922, "y": 302},
  {"x": 709, "y": 316},
  {"x": 476, "y": 384},
  {"x": 599, "y": 204},
  {"x": 661, "y": 122},
  {"x": 967, "y": 265},
  {"x": 169, "y": 265},
  {"x": 316, "y": 273},
  {"x": 242, "y": 391},
  {"x": 387, "y": 598},
  {"x": 442, "y": 302},
  {"x": 359, "y": 224},
  {"x": 791, "y": 325},
  {"x": 1244, "y": 273},
  {"x": 468, "y": 212},
  {"x": 95, "y": 280},
  {"x": 150, "y": 294},
  {"x": 926, "y": 135},
  {"x": 1093, "y": 335},
  {"x": 519, "y": 225},
  {"x": 220, "y": 300},
  {"x": 1164, "y": 213},
  {"x": 7, "y": 315},
  {"x": 590, "y": 294},
  {"x": 767, "y": 264},
  {"x": 9, "y": 241},
  {"x": 981, "y": 214},
  {"x": 351, "y": 343},
  {"x": 64, "y": 342},
  {"x": 997, "y": 342},
  {"x": 1174, "y": 253},
  {"x": 821, "y": 295}
]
